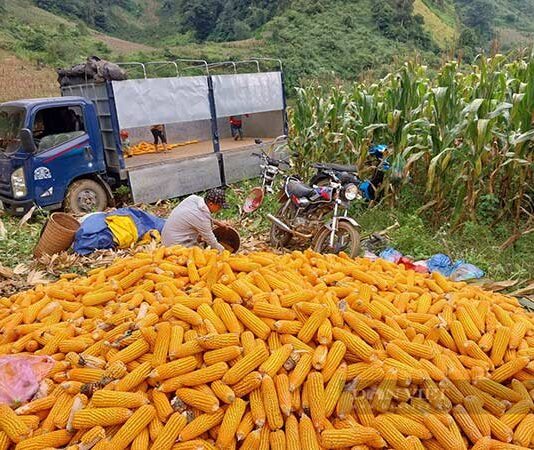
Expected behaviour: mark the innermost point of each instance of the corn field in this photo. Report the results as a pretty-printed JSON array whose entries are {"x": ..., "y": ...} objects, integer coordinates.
[{"x": 464, "y": 133}]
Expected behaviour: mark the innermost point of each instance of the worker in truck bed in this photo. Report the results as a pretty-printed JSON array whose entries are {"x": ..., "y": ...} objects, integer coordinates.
[
  {"x": 191, "y": 223},
  {"x": 236, "y": 127},
  {"x": 158, "y": 131}
]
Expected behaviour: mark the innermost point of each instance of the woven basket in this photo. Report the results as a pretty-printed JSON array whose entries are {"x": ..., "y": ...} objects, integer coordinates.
[{"x": 57, "y": 236}]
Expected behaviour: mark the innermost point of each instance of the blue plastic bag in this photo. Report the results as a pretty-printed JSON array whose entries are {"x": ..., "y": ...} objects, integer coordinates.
[
  {"x": 390, "y": 254},
  {"x": 440, "y": 263},
  {"x": 466, "y": 271}
]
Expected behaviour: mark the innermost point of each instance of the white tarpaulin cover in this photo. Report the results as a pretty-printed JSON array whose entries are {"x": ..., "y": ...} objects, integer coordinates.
[
  {"x": 161, "y": 100},
  {"x": 247, "y": 93}
]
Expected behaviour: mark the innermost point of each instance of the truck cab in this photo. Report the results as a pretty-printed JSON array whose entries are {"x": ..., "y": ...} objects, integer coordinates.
[
  {"x": 46, "y": 145},
  {"x": 67, "y": 152}
]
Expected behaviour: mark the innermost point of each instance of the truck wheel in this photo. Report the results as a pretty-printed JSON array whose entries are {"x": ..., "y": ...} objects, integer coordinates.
[{"x": 85, "y": 196}]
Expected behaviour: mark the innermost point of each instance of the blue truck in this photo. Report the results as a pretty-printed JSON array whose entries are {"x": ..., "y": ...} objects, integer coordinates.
[{"x": 66, "y": 152}]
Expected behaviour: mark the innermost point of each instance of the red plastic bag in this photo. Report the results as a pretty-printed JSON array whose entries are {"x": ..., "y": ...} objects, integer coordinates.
[{"x": 20, "y": 376}]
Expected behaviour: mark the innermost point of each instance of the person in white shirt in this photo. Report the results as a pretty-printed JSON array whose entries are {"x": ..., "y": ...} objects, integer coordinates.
[{"x": 191, "y": 221}]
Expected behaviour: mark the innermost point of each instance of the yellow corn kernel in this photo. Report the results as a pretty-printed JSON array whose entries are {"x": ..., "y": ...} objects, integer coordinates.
[
  {"x": 200, "y": 400},
  {"x": 108, "y": 399},
  {"x": 355, "y": 344},
  {"x": 170, "y": 432},
  {"x": 441, "y": 433},
  {"x": 133, "y": 426},
  {"x": 217, "y": 341},
  {"x": 174, "y": 368},
  {"x": 276, "y": 360},
  {"x": 300, "y": 372},
  {"x": 500, "y": 344},
  {"x": 247, "y": 384},
  {"x": 223, "y": 392},
  {"x": 245, "y": 426},
  {"x": 231, "y": 420},
  {"x": 245, "y": 365},
  {"x": 344, "y": 404},
  {"x": 271, "y": 404},
  {"x": 251, "y": 321},
  {"x": 524, "y": 432},
  {"x": 12, "y": 425},
  {"x": 92, "y": 417},
  {"x": 134, "y": 378},
  {"x": 53, "y": 439},
  {"x": 333, "y": 359}
]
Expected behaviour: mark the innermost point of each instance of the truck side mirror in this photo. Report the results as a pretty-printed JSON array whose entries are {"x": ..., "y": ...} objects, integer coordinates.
[{"x": 26, "y": 138}]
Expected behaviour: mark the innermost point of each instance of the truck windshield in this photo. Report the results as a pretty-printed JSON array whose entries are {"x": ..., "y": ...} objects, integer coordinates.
[{"x": 11, "y": 122}]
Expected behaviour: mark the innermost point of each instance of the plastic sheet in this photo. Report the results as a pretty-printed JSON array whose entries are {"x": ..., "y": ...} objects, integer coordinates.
[
  {"x": 161, "y": 100},
  {"x": 20, "y": 376},
  {"x": 247, "y": 93}
]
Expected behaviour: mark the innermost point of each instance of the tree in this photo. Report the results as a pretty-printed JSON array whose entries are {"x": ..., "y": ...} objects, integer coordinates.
[{"x": 201, "y": 16}]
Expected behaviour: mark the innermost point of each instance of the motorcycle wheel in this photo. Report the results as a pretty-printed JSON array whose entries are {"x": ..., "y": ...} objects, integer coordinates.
[
  {"x": 278, "y": 237},
  {"x": 347, "y": 240}
]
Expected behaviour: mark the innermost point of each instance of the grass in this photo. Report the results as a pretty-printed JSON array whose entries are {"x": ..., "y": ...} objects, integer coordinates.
[
  {"x": 442, "y": 32},
  {"x": 476, "y": 243}
]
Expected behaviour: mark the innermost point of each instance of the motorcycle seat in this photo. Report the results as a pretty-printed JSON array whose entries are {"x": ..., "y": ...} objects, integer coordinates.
[
  {"x": 336, "y": 167},
  {"x": 300, "y": 189}
]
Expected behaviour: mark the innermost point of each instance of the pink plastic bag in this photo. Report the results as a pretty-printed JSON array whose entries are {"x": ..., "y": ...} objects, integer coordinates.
[{"x": 20, "y": 376}]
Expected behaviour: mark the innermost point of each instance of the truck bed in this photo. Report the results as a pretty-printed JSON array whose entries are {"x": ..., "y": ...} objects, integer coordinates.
[
  {"x": 191, "y": 151},
  {"x": 192, "y": 168}
]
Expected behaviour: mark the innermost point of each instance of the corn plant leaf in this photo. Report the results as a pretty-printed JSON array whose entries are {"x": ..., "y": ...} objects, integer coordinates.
[{"x": 524, "y": 137}]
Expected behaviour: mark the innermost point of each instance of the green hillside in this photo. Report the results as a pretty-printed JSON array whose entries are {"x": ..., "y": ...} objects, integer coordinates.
[{"x": 335, "y": 39}]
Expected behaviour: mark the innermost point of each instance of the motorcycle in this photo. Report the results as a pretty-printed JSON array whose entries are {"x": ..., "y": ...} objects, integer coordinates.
[
  {"x": 270, "y": 167},
  {"x": 318, "y": 214},
  {"x": 368, "y": 188}
]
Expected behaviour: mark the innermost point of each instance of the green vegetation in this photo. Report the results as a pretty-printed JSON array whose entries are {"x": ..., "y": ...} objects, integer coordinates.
[
  {"x": 35, "y": 34},
  {"x": 417, "y": 236},
  {"x": 331, "y": 41},
  {"x": 467, "y": 137}
]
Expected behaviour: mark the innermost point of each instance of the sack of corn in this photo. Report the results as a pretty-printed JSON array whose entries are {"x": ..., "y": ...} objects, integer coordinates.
[{"x": 192, "y": 349}]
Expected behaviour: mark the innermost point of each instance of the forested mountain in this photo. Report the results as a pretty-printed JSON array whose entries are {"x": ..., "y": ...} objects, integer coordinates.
[
  {"x": 316, "y": 38},
  {"x": 222, "y": 20}
]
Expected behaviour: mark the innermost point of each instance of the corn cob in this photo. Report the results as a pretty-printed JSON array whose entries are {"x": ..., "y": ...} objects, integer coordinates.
[
  {"x": 222, "y": 354},
  {"x": 92, "y": 417},
  {"x": 168, "y": 435},
  {"x": 200, "y": 424},
  {"x": 232, "y": 417},
  {"x": 252, "y": 322},
  {"x": 307, "y": 436},
  {"x": 244, "y": 366},
  {"x": 347, "y": 437},
  {"x": 200, "y": 400},
  {"x": 12, "y": 425},
  {"x": 390, "y": 433},
  {"x": 53, "y": 439}
]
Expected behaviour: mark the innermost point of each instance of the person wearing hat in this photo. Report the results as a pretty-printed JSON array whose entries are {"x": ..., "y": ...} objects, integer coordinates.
[
  {"x": 125, "y": 143},
  {"x": 191, "y": 221}
]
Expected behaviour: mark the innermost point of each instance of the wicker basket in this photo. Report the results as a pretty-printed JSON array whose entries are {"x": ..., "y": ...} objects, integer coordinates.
[{"x": 57, "y": 236}]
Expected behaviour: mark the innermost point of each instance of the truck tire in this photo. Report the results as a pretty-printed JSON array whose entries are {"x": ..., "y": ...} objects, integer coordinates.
[{"x": 85, "y": 196}]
